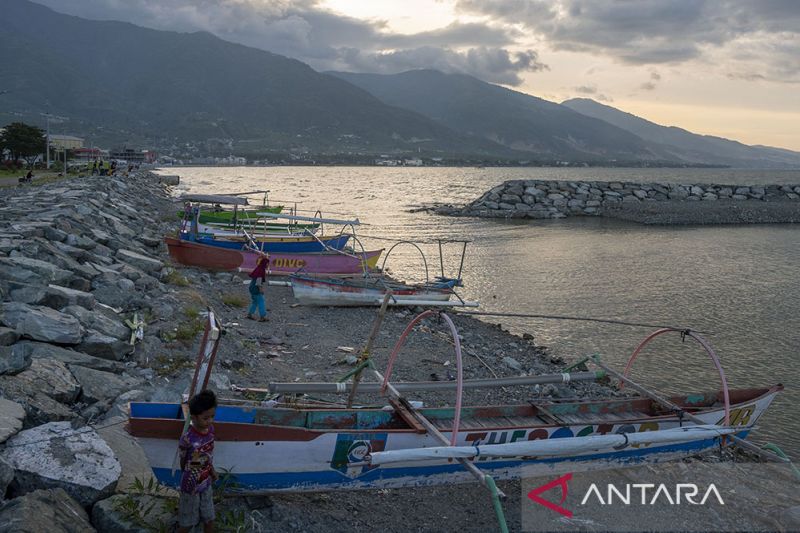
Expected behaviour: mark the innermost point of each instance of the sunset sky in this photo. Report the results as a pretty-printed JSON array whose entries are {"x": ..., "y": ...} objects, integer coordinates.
[{"x": 721, "y": 67}]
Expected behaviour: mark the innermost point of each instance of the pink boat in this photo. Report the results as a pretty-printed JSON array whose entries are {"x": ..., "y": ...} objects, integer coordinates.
[{"x": 215, "y": 258}]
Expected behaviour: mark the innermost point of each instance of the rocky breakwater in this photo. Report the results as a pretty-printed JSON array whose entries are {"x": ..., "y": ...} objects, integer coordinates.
[
  {"x": 649, "y": 203},
  {"x": 78, "y": 258}
]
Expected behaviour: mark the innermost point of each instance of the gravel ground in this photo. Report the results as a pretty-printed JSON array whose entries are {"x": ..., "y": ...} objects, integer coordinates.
[{"x": 675, "y": 212}]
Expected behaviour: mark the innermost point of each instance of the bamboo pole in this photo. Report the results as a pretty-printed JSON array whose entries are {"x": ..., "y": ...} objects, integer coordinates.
[
  {"x": 393, "y": 393},
  {"x": 376, "y": 326},
  {"x": 415, "y": 386},
  {"x": 663, "y": 401}
]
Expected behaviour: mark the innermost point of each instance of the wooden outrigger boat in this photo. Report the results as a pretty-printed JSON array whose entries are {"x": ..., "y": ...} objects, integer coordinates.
[
  {"x": 313, "y": 449},
  {"x": 369, "y": 291},
  {"x": 217, "y": 258},
  {"x": 271, "y": 242},
  {"x": 290, "y": 447},
  {"x": 217, "y": 214}
]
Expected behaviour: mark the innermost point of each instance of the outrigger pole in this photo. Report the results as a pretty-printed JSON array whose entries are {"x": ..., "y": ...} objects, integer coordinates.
[
  {"x": 418, "y": 386},
  {"x": 595, "y": 360}
]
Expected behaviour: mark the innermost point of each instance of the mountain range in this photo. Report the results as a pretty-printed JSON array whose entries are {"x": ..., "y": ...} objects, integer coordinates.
[{"x": 117, "y": 83}]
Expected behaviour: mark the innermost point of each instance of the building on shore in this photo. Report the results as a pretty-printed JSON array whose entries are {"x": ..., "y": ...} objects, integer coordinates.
[
  {"x": 134, "y": 156},
  {"x": 69, "y": 142}
]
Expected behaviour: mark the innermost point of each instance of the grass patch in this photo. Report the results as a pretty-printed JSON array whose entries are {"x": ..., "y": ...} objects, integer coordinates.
[
  {"x": 158, "y": 515},
  {"x": 234, "y": 300},
  {"x": 176, "y": 278},
  {"x": 187, "y": 331},
  {"x": 164, "y": 365}
]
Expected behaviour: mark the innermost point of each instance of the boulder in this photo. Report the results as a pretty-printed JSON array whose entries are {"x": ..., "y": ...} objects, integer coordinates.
[
  {"x": 153, "y": 512},
  {"x": 99, "y": 386},
  {"x": 53, "y": 511},
  {"x": 50, "y": 377},
  {"x": 8, "y": 336},
  {"x": 140, "y": 261},
  {"x": 99, "y": 345},
  {"x": 100, "y": 321},
  {"x": 56, "y": 455},
  {"x": 41, "y": 323},
  {"x": 74, "y": 297},
  {"x": 14, "y": 359},
  {"x": 41, "y": 350},
  {"x": 11, "y": 416},
  {"x": 42, "y": 269}
]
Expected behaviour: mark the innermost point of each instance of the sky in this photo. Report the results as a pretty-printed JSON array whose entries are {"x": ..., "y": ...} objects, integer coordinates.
[{"x": 719, "y": 67}]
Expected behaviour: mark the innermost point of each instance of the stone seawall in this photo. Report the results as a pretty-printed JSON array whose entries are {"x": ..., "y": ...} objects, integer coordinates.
[{"x": 658, "y": 203}]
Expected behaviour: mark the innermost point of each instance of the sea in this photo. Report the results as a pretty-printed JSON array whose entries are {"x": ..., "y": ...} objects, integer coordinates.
[{"x": 737, "y": 284}]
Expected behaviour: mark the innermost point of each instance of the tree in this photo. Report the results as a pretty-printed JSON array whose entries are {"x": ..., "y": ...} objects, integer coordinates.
[{"x": 23, "y": 141}]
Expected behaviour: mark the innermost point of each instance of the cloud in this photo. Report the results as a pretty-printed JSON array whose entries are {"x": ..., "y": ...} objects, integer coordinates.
[
  {"x": 489, "y": 64},
  {"x": 645, "y": 32},
  {"x": 585, "y": 89},
  {"x": 648, "y": 86},
  {"x": 305, "y": 30}
]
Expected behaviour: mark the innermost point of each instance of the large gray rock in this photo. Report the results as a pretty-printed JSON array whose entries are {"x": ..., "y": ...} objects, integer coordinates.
[
  {"x": 14, "y": 359},
  {"x": 153, "y": 512},
  {"x": 50, "y": 377},
  {"x": 99, "y": 321},
  {"x": 56, "y": 455},
  {"x": 53, "y": 511},
  {"x": 41, "y": 350},
  {"x": 41, "y": 323},
  {"x": 99, "y": 386},
  {"x": 147, "y": 264},
  {"x": 41, "y": 269},
  {"x": 39, "y": 407},
  {"x": 8, "y": 336},
  {"x": 74, "y": 297},
  {"x": 11, "y": 416},
  {"x": 99, "y": 345}
]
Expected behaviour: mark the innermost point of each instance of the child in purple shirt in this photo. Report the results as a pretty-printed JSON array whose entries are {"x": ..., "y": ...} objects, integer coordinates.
[{"x": 197, "y": 453}]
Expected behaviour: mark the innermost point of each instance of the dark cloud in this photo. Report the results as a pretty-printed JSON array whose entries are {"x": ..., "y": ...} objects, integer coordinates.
[
  {"x": 304, "y": 30},
  {"x": 489, "y": 64},
  {"x": 585, "y": 89},
  {"x": 660, "y": 31},
  {"x": 648, "y": 86}
]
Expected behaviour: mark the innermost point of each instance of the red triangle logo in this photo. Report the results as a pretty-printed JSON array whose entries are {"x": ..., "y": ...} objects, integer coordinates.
[{"x": 560, "y": 482}]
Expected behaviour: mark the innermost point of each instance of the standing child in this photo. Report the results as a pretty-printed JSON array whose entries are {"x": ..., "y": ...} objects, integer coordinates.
[
  {"x": 258, "y": 278},
  {"x": 197, "y": 451}
]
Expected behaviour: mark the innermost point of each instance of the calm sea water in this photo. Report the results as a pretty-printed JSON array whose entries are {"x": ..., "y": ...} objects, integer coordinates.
[{"x": 738, "y": 283}]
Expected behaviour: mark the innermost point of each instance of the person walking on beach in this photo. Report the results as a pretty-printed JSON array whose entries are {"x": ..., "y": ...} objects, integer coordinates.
[
  {"x": 196, "y": 446},
  {"x": 258, "y": 280}
]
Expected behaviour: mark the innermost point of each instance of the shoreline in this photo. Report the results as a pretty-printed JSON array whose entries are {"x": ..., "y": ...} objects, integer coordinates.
[{"x": 101, "y": 237}]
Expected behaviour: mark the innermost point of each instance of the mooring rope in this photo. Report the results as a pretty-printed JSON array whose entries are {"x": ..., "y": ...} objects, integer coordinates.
[{"x": 578, "y": 318}]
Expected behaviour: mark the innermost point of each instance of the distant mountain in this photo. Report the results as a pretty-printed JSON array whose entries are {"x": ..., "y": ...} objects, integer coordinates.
[
  {"x": 116, "y": 82},
  {"x": 688, "y": 146},
  {"x": 517, "y": 120}
]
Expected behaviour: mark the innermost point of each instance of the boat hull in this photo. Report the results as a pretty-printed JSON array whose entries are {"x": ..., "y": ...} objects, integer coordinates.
[
  {"x": 266, "y": 457},
  {"x": 288, "y": 244},
  {"x": 216, "y": 258},
  {"x": 321, "y": 292}
]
